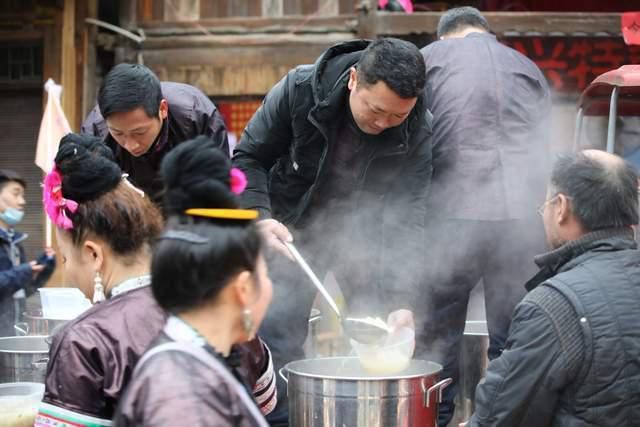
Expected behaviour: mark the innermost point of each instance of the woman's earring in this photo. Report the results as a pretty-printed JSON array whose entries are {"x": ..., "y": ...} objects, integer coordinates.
[
  {"x": 247, "y": 322},
  {"x": 98, "y": 289}
]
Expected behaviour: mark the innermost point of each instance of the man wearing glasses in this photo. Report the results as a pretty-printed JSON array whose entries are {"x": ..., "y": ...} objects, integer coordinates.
[{"x": 572, "y": 353}]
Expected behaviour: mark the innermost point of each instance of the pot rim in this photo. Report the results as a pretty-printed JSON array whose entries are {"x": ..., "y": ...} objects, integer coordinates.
[
  {"x": 437, "y": 369},
  {"x": 22, "y": 338}
]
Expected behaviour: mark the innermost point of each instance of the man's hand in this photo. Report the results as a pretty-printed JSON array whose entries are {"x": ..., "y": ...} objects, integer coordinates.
[
  {"x": 36, "y": 268},
  {"x": 401, "y": 318},
  {"x": 274, "y": 233}
]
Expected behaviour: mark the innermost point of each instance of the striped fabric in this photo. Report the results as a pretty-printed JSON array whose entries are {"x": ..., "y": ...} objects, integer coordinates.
[
  {"x": 54, "y": 416},
  {"x": 265, "y": 389}
]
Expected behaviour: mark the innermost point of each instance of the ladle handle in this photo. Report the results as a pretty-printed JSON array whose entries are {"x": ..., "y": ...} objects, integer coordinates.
[{"x": 318, "y": 284}]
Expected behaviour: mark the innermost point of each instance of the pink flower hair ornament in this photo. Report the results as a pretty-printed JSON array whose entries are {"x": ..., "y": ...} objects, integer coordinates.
[
  {"x": 238, "y": 181},
  {"x": 55, "y": 205}
]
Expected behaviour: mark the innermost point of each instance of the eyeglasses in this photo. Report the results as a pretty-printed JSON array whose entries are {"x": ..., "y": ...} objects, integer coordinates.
[{"x": 549, "y": 200}]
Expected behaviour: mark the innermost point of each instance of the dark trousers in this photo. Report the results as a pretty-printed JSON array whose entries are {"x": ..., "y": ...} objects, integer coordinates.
[{"x": 459, "y": 253}]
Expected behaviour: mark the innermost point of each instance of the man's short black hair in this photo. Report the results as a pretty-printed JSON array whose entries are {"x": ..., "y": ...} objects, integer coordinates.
[
  {"x": 127, "y": 87},
  {"x": 460, "y": 18},
  {"x": 397, "y": 63},
  {"x": 7, "y": 176},
  {"x": 602, "y": 195}
]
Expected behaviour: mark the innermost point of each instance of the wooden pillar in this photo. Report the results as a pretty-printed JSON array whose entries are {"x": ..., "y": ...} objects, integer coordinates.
[
  {"x": 367, "y": 12},
  {"x": 181, "y": 10},
  {"x": 69, "y": 71},
  {"x": 89, "y": 33}
]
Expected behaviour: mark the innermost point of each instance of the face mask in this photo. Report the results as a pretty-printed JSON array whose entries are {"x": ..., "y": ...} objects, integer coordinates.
[{"x": 11, "y": 216}]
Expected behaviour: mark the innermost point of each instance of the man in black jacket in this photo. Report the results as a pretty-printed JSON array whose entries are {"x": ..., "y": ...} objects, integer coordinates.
[
  {"x": 339, "y": 156},
  {"x": 141, "y": 119},
  {"x": 491, "y": 110},
  {"x": 573, "y": 353}
]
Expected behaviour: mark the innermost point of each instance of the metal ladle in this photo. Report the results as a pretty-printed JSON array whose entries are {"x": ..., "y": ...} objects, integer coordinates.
[{"x": 359, "y": 329}]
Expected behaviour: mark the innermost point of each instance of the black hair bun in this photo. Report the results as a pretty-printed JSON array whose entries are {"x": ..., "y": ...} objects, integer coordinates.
[
  {"x": 87, "y": 167},
  {"x": 196, "y": 174}
]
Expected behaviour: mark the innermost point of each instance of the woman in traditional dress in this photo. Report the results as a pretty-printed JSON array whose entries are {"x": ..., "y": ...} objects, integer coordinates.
[
  {"x": 105, "y": 228},
  {"x": 209, "y": 273}
]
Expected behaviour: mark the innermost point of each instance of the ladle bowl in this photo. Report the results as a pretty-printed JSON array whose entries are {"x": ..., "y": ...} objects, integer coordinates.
[{"x": 363, "y": 330}]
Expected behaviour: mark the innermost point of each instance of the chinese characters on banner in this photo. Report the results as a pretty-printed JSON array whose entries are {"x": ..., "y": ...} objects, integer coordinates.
[{"x": 570, "y": 64}]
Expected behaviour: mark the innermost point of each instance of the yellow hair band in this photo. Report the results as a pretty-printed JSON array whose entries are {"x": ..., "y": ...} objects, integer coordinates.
[{"x": 244, "y": 214}]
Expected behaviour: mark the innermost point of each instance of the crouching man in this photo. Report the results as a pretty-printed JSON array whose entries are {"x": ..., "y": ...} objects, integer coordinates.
[{"x": 573, "y": 353}]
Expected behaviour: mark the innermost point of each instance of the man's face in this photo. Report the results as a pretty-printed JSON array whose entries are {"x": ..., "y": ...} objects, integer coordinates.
[
  {"x": 552, "y": 219},
  {"x": 134, "y": 130},
  {"x": 12, "y": 196},
  {"x": 376, "y": 108}
]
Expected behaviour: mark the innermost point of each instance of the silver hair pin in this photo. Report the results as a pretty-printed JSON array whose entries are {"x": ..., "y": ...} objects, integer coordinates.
[{"x": 125, "y": 177}]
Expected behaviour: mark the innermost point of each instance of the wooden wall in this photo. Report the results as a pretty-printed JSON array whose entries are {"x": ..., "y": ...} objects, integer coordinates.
[
  {"x": 185, "y": 10},
  {"x": 238, "y": 47}
]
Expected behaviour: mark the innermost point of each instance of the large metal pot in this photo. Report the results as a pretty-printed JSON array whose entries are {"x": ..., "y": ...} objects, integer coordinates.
[
  {"x": 336, "y": 391},
  {"x": 473, "y": 365},
  {"x": 35, "y": 324},
  {"x": 23, "y": 359}
]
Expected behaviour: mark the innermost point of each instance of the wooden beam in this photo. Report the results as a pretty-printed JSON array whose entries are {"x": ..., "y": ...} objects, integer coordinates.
[
  {"x": 229, "y": 41},
  {"x": 562, "y": 23},
  {"x": 69, "y": 83},
  {"x": 232, "y": 70},
  {"x": 368, "y": 19},
  {"x": 243, "y": 25}
]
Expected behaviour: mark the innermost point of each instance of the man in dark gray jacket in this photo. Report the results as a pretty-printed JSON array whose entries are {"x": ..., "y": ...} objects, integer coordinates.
[
  {"x": 491, "y": 107},
  {"x": 573, "y": 353},
  {"x": 339, "y": 157},
  {"x": 141, "y": 119}
]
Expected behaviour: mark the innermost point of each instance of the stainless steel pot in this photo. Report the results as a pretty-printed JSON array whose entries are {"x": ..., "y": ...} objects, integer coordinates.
[
  {"x": 23, "y": 359},
  {"x": 35, "y": 324},
  {"x": 336, "y": 391},
  {"x": 474, "y": 360}
]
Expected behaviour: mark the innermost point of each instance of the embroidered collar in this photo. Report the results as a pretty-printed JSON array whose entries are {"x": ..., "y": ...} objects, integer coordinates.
[
  {"x": 180, "y": 331},
  {"x": 131, "y": 284}
]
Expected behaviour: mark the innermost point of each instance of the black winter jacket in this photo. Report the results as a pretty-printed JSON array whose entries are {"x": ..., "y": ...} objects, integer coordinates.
[
  {"x": 573, "y": 353},
  {"x": 285, "y": 145}
]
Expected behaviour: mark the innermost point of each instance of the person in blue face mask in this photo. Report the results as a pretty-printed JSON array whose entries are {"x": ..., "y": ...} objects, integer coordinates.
[{"x": 18, "y": 278}]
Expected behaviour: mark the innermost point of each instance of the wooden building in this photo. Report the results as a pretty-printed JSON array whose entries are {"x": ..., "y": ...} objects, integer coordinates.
[
  {"x": 40, "y": 39},
  {"x": 236, "y": 50}
]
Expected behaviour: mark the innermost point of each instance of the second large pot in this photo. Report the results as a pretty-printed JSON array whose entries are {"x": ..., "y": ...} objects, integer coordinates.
[
  {"x": 473, "y": 365},
  {"x": 23, "y": 359},
  {"x": 336, "y": 391},
  {"x": 35, "y": 324}
]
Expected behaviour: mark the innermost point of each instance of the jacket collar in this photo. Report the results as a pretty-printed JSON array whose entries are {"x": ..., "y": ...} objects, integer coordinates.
[
  {"x": 563, "y": 258},
  {"x": 330, "y": 92},
  {"x": 12, "y": 236},
  {"x": 163, "y": 138}
]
